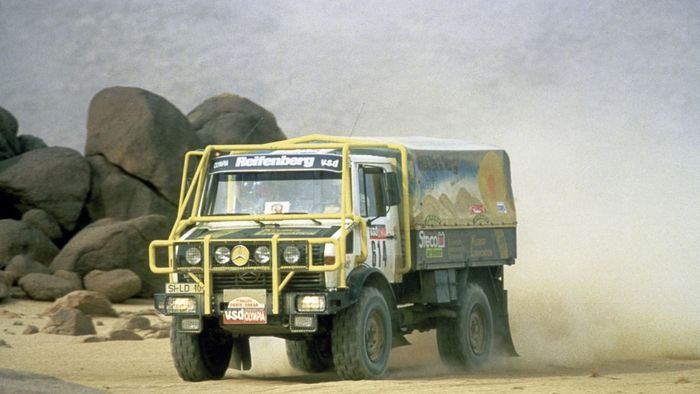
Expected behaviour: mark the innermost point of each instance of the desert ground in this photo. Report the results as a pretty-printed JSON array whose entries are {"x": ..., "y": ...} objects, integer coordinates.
[{"x": 28, "y": 362}]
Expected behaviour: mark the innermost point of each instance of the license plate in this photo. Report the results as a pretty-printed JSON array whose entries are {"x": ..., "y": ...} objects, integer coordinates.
[
  {"x": 245, "y": 310},
  {"x": 183, "y": 288}
]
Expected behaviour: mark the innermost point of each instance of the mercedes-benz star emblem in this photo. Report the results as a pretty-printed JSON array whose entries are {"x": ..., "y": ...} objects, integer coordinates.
[{"x": 240, "y": 255}]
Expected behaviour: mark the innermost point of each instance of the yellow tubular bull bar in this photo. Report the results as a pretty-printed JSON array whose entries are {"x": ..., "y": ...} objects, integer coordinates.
[{"x": 348, "y": 218}]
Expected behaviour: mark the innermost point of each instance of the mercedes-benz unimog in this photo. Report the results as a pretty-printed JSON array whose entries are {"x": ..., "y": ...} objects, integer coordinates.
[{"x": 341, "y": 247}]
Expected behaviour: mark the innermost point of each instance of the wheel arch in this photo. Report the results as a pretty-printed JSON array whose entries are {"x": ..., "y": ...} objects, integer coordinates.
[{"x": 362, "y": 277}]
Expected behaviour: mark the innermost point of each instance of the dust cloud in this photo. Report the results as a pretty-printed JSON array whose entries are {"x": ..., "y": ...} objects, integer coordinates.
[{"x": 597, "y": 104}]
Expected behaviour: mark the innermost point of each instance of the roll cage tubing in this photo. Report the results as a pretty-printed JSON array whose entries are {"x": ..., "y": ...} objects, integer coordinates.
[{"x": 347, "y": 216}]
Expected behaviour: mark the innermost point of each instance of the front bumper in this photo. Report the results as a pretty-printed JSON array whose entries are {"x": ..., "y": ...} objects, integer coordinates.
[{"x": 295, "y": 315}]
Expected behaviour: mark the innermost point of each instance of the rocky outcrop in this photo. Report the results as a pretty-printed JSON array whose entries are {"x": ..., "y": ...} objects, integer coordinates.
[
  {"x": 69, "y": 321},
  {"x": 143, "y": 134},
  {"x": 59, "y": 183},
  {"x": 88, "y": 302},
  {"x": 110, "y": 244},
  {"x": 18, "y": 237},
  {"x": 45, "y": 287},
  {"x": 103, "y": 210},
  {"x": 231, "y": 119},
  {"x": 116, "y": 194},
  {"x": 117, "y": 285}
]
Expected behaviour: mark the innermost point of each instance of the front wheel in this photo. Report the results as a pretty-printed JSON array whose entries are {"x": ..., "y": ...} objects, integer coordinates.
[
  {"x": 467, "y": 339},
  {"x": 203, "y": 356},
  {"x": 361, "y": 337},
  {"x": 311, "y": 354}
]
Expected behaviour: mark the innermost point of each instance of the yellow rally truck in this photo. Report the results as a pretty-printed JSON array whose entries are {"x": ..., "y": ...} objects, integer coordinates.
[{"x": 340, "y": 246}]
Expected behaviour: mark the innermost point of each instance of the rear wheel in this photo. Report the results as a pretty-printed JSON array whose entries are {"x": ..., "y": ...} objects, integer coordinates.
[
  {"x": 311, "y": 354},
  {"x": 467, "y": 339},
  {"x": 361, "y": 337},
  {"x": 203, "y": 356}
]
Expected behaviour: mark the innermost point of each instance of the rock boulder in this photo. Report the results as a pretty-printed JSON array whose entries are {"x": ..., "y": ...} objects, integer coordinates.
[
  {"x": 232, "y": 119},
  {"x": 29, "y": 142},
  {"x": 17, "y": 237},
  {"x": 111, "y": 244},
  {"x": 9, "y": 144},
  {"x": 117, "y": 285},
  {"x": 43, "y": 222},
  {"x": 45, "y": 287},
  {"x": 22, "y": 265},
  {"x": 143, "y": 134},
  {"x": 56, "y": 180},
  {"x": 69, "y": 321},
  {"x": 88, "y": 302},
  {"x": 116, "y": 194}
]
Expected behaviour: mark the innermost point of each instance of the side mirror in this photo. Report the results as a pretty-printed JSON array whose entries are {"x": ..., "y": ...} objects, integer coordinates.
[{"x": 392, "y": 192}]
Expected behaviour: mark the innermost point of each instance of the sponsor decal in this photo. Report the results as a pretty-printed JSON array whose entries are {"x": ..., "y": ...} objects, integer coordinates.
[
  {"x": 268, "y": 162},
  {"x": 245, "y": 310},
  {"x": 501, "y": 207},
  {"x": 433, "y": 242},
  {"x": 477, "y": 209},
  {"x": 377, "y": 232},
  {"x": 279, "y": 161}
]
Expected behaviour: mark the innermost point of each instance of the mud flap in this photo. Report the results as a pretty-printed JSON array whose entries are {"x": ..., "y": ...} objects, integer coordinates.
[
  {"x": 240, "y": 354},
  {"x": 504, "y": 341}
]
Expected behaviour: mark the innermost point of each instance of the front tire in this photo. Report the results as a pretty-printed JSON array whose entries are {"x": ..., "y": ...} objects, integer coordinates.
[
  {"x": 311, "y": 354},
  {"x": 361, "y": 337},
  {"x": 467, "y": 340},
  {"x": 203, "y": 356}
]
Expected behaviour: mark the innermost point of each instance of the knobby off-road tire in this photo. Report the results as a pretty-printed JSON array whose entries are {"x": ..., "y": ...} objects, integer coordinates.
[
  {"x": 310, "y": 355},
  {"x": 203, "y": 356},
  {"x": 361, "y": 337},
  {"x": 467, "y": 340}
]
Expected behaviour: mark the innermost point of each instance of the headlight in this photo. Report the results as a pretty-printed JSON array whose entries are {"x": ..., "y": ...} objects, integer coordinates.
[
  {"x": 262, "y": 255},
  {"x": 292, "y": 254},
  {"x": 222, "y": 255},
  {"x": 193, "y": 256},
  {"x": 180, "y": 305},
  {"x": 311, "y": 303}
]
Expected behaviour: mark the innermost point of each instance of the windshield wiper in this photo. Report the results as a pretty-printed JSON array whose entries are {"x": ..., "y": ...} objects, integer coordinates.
[
  {"x": 303, "y": 213},
  {"x": 263, "y": 224}
]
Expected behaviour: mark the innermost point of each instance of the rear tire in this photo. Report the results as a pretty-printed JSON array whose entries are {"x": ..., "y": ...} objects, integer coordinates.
[
  {"x": 361, "y": 337},
  {"x": 203, "y": 356},
  {"x": 311, "y": 354},
  {"x": 467, "y": 340}
]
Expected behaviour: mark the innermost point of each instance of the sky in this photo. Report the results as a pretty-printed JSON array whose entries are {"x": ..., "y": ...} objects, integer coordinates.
[{"x": 597, "y": 104}]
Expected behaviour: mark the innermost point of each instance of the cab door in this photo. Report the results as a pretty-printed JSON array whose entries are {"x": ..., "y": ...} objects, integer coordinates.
[{"x": 384, "y": 248}]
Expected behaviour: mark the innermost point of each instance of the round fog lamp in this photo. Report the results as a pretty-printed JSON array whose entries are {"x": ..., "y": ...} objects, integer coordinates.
[
  {"x": 291, "y": 254},
  {"x": 193, "y": 256},
  {"x": 222, "y": 255},
  {"x": 262, "y": 255}
]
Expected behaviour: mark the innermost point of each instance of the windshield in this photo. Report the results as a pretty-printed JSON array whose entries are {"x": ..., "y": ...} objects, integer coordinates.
[{"x": 273, "y": 193}]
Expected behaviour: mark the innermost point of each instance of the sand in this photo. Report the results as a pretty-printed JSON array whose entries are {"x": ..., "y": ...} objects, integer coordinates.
[{"x": 146, "y": 366}]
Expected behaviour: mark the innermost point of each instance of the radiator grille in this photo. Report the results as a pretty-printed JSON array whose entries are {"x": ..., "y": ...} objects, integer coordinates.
[{"x": 302, "y": 281}]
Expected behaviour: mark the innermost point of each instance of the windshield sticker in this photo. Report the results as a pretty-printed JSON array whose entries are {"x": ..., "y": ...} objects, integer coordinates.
[
  {"x": 276, "y": 207},
  {"x": 267, "y": 162}
]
